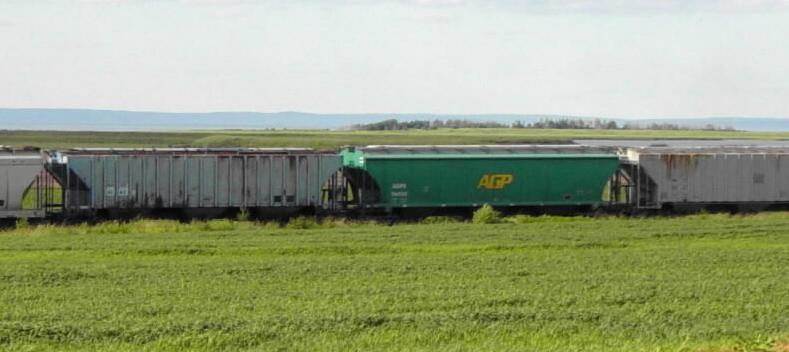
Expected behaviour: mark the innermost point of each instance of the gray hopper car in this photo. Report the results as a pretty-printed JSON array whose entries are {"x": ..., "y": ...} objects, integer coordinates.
[
  {"x": 99, "y": 179},
  {"x": 718, "y": 175}
]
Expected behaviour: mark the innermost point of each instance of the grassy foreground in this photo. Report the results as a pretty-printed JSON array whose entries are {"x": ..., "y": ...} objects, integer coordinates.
[
  {"x": 336, "y": 139},
  {"x": 698, "y": 283}
]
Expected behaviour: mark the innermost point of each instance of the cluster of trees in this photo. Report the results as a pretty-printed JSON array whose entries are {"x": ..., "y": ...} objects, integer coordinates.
[
  {"x": 394, "y": 125},
  {"x": 599, "y": 124},
  {"x": 559, "y": 123},
  {"x": 574, "y": 124},
  {"x": 674, "y": 127}
]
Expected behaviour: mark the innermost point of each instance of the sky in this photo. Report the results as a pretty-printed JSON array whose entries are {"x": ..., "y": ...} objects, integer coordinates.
[{"x": 604, "y": 58}]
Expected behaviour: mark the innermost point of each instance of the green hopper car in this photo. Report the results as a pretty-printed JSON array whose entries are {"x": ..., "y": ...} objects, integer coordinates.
[{"x": 402, "y": 177}]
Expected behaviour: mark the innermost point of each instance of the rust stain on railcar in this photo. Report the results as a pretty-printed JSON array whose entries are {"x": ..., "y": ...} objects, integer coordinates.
[{"x": 680, "y": 161}]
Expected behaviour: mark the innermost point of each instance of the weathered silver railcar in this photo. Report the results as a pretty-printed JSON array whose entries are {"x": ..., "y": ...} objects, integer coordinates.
[
  {"x": 18, "y": 171},
  {"x": 106, "y": 179},
  {"x": 720, "y": 175}
]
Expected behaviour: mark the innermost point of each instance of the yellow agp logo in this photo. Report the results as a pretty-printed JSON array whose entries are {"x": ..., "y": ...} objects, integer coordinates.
[{"x": 495, "y": 181}]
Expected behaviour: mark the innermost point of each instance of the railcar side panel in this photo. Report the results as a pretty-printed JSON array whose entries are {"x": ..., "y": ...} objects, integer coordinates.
[
  {"x": 456, "y": 180},
  {"x": 710, "y": 177},
  {"x": 158, "y": 180}
]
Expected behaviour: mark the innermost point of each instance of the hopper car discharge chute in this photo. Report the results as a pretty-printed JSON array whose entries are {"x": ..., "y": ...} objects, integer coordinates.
[{"x": 27, "y": 189}]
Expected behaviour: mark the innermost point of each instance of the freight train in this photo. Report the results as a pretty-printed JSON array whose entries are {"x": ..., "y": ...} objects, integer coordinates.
[{"x": 394, "y": 180}]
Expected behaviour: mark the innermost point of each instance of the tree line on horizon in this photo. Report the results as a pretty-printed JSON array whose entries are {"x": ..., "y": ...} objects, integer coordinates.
[{"x": 545, "y": 123}]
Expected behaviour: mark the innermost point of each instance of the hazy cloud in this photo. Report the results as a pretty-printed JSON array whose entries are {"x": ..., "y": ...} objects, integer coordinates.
[
  {"x": 649, "y": 5},
  {"x": 527, "y": 5},
  {"x": 436, "y": 2},
  {"x": 616, "y": 5},
  {"x": 578, "y": 57}
]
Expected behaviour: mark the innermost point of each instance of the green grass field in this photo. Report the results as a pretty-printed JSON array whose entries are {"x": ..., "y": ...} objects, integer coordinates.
[
  {"x": 335, "y": 139},
  {"x": 698, "y": 283}
]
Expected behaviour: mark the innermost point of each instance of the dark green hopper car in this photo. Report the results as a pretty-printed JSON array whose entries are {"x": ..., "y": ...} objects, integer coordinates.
[{"x": 528, "y": 176}]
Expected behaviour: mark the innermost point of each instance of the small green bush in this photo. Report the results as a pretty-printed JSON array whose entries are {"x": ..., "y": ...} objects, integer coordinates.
[
  {"x": 486, "y": 215},
  {"x": 243, "y": 215},
  {"x": 22, "y": 224}
]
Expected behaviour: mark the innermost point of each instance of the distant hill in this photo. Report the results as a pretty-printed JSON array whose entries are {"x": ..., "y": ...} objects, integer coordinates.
[{"x": 115, "y": 120}]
